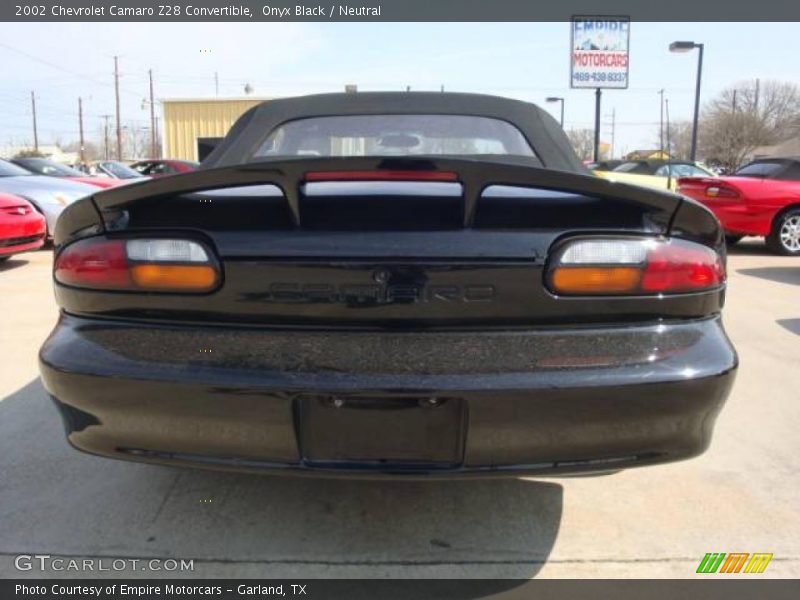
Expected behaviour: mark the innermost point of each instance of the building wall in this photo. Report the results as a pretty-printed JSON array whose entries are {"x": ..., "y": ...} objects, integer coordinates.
[{"x": 186, "y": 120}]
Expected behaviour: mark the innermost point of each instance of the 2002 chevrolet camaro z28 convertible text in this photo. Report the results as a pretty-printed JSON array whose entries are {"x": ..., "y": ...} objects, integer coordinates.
[{"x": 390, "y": 283}]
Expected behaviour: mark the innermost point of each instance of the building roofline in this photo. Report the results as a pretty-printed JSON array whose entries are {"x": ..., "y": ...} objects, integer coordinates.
[{"x": 222, "y": 99}]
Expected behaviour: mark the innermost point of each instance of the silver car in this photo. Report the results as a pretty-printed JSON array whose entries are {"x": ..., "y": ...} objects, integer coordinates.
[{"x": 49, "y": 195}]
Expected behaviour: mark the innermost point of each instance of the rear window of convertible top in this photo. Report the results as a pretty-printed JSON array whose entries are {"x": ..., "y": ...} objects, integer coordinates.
[{"x": 394, "y": 135}]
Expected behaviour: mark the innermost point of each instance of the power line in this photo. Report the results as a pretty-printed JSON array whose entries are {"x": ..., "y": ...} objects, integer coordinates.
[{"x": 61, "y": 68}]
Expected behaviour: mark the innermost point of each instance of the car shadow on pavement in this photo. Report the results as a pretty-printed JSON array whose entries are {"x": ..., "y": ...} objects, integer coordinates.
[
  {"x": 792, "y": 325},
  {"x": 12, "y": 263},
  {"x": 789, "y": 274},
  {"x": 750, "y": 246},
  {"x": 62, "y": 502}
]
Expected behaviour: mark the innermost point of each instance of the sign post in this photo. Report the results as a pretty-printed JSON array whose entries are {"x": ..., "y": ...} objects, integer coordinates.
[{"x": 599, "y": 59}]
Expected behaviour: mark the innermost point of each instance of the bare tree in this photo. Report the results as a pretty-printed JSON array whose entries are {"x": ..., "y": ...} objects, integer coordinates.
[
  {"x": 135, "y": 141},
  {"x": 748, "y": 115},
  {"x": 31, "y": 153},
  {"x": 677, "y": 139},
  {"x": 582, "y": 141},
  {"x": 90, "y": 150}
]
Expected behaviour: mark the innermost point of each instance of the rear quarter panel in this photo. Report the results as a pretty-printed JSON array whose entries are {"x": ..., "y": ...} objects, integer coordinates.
[{"x": 754, "y": 213}]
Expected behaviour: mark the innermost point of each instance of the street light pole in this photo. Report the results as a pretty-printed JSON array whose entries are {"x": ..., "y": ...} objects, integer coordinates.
[
  {"x": 685, "y": 47},
  {"x": 597, "y": 95},
  {"x": 693, "y": 155},
  {"x": 561, "y": 100}
]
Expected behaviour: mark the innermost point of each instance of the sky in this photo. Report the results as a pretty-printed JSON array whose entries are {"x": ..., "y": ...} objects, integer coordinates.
[{"x": 527, "y": 61}]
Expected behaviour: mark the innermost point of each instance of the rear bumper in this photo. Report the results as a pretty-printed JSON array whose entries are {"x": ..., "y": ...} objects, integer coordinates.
[{"x": 535, "y": 401}]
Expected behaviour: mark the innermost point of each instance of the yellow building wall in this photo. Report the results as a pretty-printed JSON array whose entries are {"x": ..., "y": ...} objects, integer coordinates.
[{"x": 187, "y": 120}]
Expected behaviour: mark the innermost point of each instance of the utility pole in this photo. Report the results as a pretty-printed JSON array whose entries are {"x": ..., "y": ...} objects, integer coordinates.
[
  {"x": 734, "y": 101},
  {"x": 152, "y": 118},
  {"x": 80, "y": 129},
  {"x": 216, "y": 83},
  {"x": 158, "y": 141},
  {"x": 613, "y": 130},
  {"x": 669, "y": 143},
  {"x": 116, "y": 93},
  {"x": 755, "y": 100},
  {"x": 661, "y": 121},
  {"x": 597, "y": 95},
  {"x": 35, "y": 130},
  {"x": 105, "y": 135}
]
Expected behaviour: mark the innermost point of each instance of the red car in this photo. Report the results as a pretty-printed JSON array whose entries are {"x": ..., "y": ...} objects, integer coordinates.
[
  {"x": 761, "y": 198},
  {"x": 43, "y": 166},
  {"x": 21, "y": 227},
  {"x": 163, "y": 167}
]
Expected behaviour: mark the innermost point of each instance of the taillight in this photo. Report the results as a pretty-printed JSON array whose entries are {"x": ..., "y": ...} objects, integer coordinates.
[
  {"x": 721, "y": 191},
  {"x": 710, "y": 188},
  {"x": 633, "y": 266},
  {"x": 157, "y": 265},
  {"x": 16, "y": 211}
]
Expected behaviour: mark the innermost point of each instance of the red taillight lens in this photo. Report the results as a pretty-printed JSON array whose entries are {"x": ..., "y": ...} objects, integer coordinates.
[
  {"x": 638, "y": 266},
  {"x": 381, "y": 175},
  {"x": 158, "y": 265},
  {"x": 684, "y": 267},
  {"x": 94, "y": 263}
]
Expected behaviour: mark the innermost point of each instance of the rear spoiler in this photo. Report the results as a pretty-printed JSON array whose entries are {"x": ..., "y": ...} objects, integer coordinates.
[{"x": 474, "y": 175}]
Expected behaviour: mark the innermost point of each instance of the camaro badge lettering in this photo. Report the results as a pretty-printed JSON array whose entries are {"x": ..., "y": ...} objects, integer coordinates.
[{"x": 281, "y": 292}]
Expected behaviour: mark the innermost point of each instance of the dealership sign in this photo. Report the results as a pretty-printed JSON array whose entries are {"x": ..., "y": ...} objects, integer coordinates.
[{"x": 599, "y": 52}]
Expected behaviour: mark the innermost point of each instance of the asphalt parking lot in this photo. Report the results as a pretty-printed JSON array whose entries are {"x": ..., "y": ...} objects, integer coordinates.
[{"x": 741, "y": 496}]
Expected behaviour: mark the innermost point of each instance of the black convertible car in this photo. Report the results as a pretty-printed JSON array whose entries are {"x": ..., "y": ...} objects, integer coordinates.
[{"x": 390, "y": 283}]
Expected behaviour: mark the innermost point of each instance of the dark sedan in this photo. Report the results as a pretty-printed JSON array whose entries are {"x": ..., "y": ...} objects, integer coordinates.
[{"x": 390, "y": 283}]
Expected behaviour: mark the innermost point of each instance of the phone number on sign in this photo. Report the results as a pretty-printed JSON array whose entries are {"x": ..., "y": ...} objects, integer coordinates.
[{"x": 601, "y": 77}]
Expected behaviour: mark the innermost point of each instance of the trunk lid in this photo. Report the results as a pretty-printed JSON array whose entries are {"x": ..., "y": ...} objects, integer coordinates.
[{"x": 380, "y": 253}]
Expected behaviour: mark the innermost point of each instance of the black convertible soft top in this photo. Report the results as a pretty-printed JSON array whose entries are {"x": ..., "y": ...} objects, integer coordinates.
[{"x": 540, "y": 129}]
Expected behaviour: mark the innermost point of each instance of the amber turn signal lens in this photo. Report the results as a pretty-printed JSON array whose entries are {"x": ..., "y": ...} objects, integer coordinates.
[
  {"x": 593, "y": 280},
  {"x": 174, "y": 277}
]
